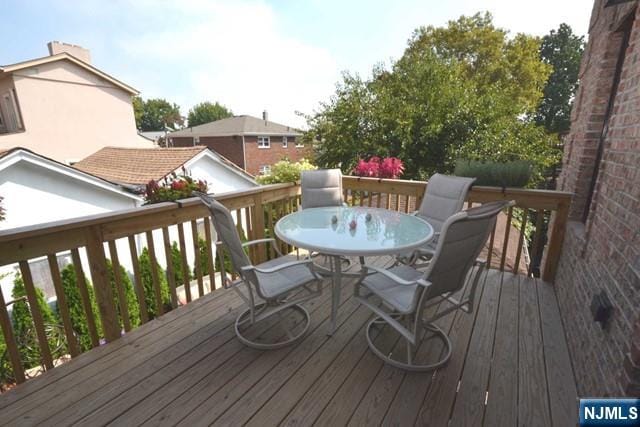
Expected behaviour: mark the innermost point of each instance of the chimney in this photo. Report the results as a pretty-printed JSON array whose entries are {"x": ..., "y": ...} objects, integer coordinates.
[
  {"x": 79, "y": 52},
  {"x": 265, "y": 115}
]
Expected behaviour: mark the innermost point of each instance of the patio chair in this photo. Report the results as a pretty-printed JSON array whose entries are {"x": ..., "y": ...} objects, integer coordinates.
[
  {"x": 322, "y": 188},
  {"x": 443, "y": 197},
  {"x": 406, "y": 293},
  {"x": 270, "y": 285}
]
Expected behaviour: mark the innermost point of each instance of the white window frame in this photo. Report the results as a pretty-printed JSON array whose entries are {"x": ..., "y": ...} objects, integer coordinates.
[
  {"x": 264, "y": 142},
  {"x": 196, "y": 140},
  {"x": 265, "y": 169},
  {"x": 285, "y": 142}
]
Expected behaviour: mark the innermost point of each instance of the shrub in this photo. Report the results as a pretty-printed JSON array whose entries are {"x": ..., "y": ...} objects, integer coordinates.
[
  {"x": 510, "y": 174},
  {"x": 24, "y": 329},
  {"x": 375, "y": 167},
  {"x": 204, "y": 257},
  {"x": 130, "y": 296},
  {"x": 147, "y": 283},
  {"x": 76, "y": 309},
  {"x": 285, "y": 171},
  {"x": 176, "y": 260}
]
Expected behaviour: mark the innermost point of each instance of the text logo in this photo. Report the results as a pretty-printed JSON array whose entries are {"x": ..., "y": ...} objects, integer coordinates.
[{"x": 610, "y": 412}]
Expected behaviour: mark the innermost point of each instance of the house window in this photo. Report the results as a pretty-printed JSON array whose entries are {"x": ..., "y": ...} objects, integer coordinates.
[
  {"x": 196, "y": 140},
  {"x": 265, "y": 169},
  {"x": 264, "y": 142},
  {"x": 285, "y": 142}
]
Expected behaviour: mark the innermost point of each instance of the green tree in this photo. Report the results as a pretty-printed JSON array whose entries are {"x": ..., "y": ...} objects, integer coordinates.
[
  {"x": 206, "y": 112},
  {"x": 24, "y": 329},
  {"x": 562, "y": 50},
  {"x": 133, "y": 308},
  {"x": 155, "y": 114},
  {"x": 147, "y": 282},
  {"x": 176, "y": 259},
  {"x": 76, "y": 308},
  {"x": 463, "y": 91}
]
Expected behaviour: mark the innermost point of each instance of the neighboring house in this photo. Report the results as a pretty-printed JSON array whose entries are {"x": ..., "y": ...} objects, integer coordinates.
[
  {"x": 136, "y": 167},
  {"x": 601, "y": 166},
  {"x": 155, "y": 135},
  {"x": 62, "y": 107},
  {"x": 37, "y": 189},
  {"x": 251, "y": 143}
]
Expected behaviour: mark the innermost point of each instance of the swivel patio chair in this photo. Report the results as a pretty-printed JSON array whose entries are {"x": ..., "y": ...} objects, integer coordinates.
[
  {"x": 270, "y": 285},
  {"x": 443, "y": 197},
  {"x": 322, "y": 188},
  {"x": 406, "y": 293}
]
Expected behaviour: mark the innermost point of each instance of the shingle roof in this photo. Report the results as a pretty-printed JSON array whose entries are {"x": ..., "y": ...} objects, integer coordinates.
[
  {"x": 136, "y": 165},
  {"x": 237, "y": 125}
]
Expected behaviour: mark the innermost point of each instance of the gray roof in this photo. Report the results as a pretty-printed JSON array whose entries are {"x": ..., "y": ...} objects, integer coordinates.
[{"x": 237, "y": 125}]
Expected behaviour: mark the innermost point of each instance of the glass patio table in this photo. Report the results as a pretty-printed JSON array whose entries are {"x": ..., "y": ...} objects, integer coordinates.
[{"x": 352, "y": 231}]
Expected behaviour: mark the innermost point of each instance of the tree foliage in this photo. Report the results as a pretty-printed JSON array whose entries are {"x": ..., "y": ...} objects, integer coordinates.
[
  {"x": 462, "y": 91},
  {"x": 133, "y": 309},
  {"x": 176, "y": 260},
  {"x": 147, "y": 283},
  {"x": 24, "y": 328},
  {"x": 76, "y": 308},
  {"x": 206, "y": 112},
  {"x": 154, "y": 114},
  {"x": 562, "y": 50}
]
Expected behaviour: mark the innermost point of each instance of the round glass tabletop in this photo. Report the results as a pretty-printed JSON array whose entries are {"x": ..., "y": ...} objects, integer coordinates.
[{"x": 359, "y": 231}]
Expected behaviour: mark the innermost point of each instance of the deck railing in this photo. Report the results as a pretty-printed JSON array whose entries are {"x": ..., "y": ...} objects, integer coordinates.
[{"x": 117, "y": 237}]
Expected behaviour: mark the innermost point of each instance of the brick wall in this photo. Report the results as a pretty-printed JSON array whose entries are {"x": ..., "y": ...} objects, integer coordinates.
[
  {"x": 257, "y": 157},
  {"x": 603, "y": 252}
]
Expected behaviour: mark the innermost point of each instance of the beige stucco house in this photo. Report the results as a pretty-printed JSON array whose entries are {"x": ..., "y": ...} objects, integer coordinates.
[{"x": 62, "y": 107}]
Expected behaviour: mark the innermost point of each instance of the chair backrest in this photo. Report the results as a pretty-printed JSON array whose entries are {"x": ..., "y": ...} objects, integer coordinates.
[
  {"x": 227, "y": 232},
  {"x": 321, "y": 188},
  {"x": 462, "y": 238},
  {"x": 444, "y": 196}
]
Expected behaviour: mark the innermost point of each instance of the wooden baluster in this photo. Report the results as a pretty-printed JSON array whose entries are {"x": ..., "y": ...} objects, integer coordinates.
[
  {"x": 84, "y": 297},
  {"x": 36, "y": 314},
  {"x": 196, "y": 250},
  {"x": 63, "y": 307},
  {"x": 491, "y": 241},
  {"x": 272, "y": 231},
  {"x": 210, "y": 263},
  {"x": 361, "y": 198},
  {"x": 406, "y": 204},
  {"x": 370, "y": 201},
  {"x": 525, "y": 215},
  {"x": 537, "y": 238},
  {"x": 171, "y": 275},
  {"x": 117, "y": 278},
  {"x": 155, "y": 276},
  {"x": 249, "y": 233},
  {"x": 397, "y": 207},
  {"x": 186, "y": 274},
  {"x": 10, "y": 341},
  {"x": 345, "y": 195},
  {"x": 221, "y": 258},
  {"x": 505, "y": 244},
  {"x": 378, "y": 200},
  {"x": 258, "y": 222},
  {"x": 388, "y": 204},
  {"x": 137, "y": 281}
]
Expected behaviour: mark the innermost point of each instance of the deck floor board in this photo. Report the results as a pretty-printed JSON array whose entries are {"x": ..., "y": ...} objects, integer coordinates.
[{"x": 510, "y": 366}]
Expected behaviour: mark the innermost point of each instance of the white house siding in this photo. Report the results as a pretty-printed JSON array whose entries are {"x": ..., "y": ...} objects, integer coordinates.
[{"x": 221, "y": 178}]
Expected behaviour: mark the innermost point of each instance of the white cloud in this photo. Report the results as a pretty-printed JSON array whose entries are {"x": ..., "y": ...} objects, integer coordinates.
[{"x": 236, "y": 53}]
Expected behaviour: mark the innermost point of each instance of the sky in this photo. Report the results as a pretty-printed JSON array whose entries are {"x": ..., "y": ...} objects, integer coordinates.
[{"x": 283, "y": 56}]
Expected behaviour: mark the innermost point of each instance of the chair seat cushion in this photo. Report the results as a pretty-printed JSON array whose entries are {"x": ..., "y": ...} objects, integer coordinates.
[
  {"x": 283, "y": 281},
  {"x": 399, "y": 297}
]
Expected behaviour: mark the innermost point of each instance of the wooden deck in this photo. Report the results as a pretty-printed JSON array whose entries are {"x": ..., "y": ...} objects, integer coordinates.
[{"x": 510, "y": 366}]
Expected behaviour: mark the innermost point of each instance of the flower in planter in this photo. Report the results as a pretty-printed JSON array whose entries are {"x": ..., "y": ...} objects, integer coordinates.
[
  {"x": 175, "y": 188},
  {"x": 375, "y": 167}
]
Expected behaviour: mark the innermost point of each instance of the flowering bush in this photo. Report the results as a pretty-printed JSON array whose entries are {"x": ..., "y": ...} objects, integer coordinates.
[
  {"x": 285, "y": 171},
  {"x": 178, "y": 187},
  {"x": 375, "y": 167}
]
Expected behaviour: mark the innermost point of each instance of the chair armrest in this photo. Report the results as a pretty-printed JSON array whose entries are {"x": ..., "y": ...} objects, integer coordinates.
[
  {"x": 394, "y": 277},
  {"x": 265, "y": 240},
  {"x": 280, "y": 267}
]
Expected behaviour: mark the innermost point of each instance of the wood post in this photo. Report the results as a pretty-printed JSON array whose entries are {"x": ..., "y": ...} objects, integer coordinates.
[
  {"x": 558, "y": 225},
  {"x": 102, "y": 284}
]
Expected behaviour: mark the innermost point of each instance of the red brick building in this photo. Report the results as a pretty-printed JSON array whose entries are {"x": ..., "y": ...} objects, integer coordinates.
[
  {"x": 601, "y": 166},
  {"x": 253, "y": 144}
]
